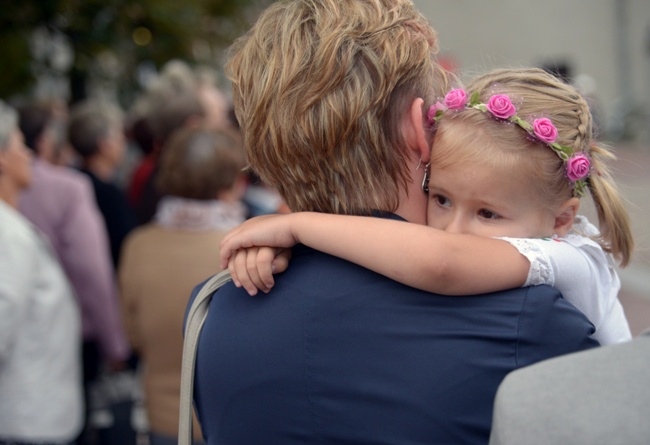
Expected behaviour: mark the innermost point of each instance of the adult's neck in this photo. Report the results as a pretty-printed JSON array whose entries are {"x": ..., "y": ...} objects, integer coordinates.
[
  {"x": 100, "y": 168},
  {"x": 9, "y": 194},
  {"x": 412, "y": 200},
  {"x": 413, "y": 204}
]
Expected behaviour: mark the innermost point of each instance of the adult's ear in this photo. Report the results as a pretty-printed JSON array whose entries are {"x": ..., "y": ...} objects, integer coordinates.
[
  {"x": 416, "y": 134},
  {"x": 565, "y": 217}
]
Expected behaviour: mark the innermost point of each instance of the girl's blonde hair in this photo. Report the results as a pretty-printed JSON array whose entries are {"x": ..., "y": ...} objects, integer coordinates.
[{"x": 535, "y": 94}]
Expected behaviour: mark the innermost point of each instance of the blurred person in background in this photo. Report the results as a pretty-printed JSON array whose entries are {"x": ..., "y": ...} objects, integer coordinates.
[
  {"x": 41, "y": 398},
  {"x": 140, "y": 135},
  {"x": 214, "y": 101},
  {"x": 172, "y": 102},
  {"x": 202, "y": 183},
  {"x": 61, "y": 203},
  {"x": 96, "y": 133},
  {"x": 183, "y": 97}
]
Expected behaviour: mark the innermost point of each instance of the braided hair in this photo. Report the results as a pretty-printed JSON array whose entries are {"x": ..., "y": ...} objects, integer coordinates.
[{"x": 540, "y": 94}]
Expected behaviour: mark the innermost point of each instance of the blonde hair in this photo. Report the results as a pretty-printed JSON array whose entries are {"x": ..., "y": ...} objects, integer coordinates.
[
  {"x": 319, "y": 87},
  {"x": 537, "y": 93}
]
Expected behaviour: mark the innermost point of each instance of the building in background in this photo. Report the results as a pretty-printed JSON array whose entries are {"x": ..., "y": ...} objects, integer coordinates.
[{"x": 605, "y": 44}]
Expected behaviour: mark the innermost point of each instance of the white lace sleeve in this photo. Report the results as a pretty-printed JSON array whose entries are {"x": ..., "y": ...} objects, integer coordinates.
[
  {"x": 541, "y": 270},
  {"x": 585, "y": 275}
]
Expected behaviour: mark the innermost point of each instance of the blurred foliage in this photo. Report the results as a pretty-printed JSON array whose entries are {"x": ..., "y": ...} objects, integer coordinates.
[{"x": 126, "y": 32}]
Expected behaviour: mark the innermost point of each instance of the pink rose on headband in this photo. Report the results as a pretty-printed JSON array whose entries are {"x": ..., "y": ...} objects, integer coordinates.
[
  {"x": 433, "y": 114},
  {"x": 577, "y": 167},
  {"x": 544, "y": 130},
  {"x": 456, "y": 99},
  {"x": 501, "y": 106}
]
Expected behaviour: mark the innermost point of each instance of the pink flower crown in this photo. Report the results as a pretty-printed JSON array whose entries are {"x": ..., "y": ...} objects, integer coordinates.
[{"x": 578, "y": 165}]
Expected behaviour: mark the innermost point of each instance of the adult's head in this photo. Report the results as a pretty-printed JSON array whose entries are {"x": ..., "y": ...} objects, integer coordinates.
[
  {"x": 214, "y": 101},
  {"x": 173, "y": 101},
  {"x": 201, "y": 164},
  {"x": 139, "y": 131},
  {"x": 42, "y": 128},
  {"x": 15, "y": 171},
  {"x": 96, "y": 132},
  {"x": 475, "y": 138},
  {"x": 321, "y": 90},
  {"x": 169, "y": 112}
]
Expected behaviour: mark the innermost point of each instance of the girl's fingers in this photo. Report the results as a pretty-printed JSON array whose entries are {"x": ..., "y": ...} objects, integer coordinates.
[{"x": 265, "y": 258}]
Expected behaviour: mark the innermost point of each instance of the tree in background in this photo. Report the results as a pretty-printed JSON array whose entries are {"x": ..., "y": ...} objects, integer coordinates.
[{"x": 83, "y": 45}]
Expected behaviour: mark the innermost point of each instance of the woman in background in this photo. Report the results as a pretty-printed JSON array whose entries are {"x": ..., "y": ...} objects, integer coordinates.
[
  {"x": 202, "y": 182},
  {"x": 40, "y": 329}
]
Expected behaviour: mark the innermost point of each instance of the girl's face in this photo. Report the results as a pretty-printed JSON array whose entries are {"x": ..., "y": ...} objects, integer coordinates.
[{"x": 486, "y": 201}]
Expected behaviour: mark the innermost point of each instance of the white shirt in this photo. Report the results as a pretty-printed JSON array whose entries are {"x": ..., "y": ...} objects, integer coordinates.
[
  {"x": 585, "y": 274},
  {"x": 40, "y": 337}
]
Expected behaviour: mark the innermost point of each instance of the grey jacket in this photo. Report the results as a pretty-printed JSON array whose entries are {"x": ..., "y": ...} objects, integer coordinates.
[{"x": 601, "y": 396}]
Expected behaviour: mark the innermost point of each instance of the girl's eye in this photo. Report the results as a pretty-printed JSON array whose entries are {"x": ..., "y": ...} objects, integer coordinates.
[
  {"x": 441, "y": 200},
  {"x": 488, "y": 214}
]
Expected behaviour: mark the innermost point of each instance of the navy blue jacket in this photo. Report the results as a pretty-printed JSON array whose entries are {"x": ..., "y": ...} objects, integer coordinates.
[{"x": 337, "y": 354}]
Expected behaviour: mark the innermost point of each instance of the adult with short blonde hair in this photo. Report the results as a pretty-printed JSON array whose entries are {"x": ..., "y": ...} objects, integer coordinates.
[
  {"x": 331, "y": 96},
  {"x": 333, "y": 81}
]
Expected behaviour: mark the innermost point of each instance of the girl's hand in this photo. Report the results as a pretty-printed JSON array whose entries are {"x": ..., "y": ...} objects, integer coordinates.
[
  {"x": 268, "y": 230},
  {"x": 253, "y": 268}
]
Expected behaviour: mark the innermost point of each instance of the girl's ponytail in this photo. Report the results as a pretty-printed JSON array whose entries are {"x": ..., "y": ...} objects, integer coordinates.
[{"x": 613, "y": 219}]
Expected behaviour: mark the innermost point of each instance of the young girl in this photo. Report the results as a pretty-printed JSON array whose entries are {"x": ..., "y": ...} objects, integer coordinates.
[{"x": 511, "y": 157}]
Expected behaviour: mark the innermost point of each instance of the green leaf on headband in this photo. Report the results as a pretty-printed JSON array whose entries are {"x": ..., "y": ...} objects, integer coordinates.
[
  {"x": 522, "y": 123},
  {"x": 474, "y": 99},
  {"x": 579, "y": 187},
  {"x": 562, "y": 151}
]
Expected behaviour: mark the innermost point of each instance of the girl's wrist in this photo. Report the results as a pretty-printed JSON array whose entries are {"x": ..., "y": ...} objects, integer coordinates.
[{"x": 297, "y": 221}]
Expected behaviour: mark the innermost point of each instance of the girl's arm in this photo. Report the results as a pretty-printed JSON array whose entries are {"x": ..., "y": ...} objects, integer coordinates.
[
  {"x": 415, "y": 255},
  {"x": 585, "y": 274}
]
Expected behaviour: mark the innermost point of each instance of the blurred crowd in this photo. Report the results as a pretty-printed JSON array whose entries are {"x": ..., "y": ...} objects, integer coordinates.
[{"x": 124, "y": 209}]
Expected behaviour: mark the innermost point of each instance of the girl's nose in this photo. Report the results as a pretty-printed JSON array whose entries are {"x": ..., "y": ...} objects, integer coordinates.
[{"x": 458, "y": 224}]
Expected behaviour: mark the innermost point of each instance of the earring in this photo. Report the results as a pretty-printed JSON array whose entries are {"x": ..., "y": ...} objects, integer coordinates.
[{"x": 425, "y": 180}]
